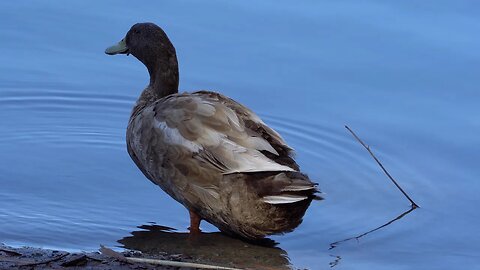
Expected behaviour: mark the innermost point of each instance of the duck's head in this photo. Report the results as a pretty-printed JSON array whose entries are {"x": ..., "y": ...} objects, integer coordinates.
[{"x": 149, "y": 44}]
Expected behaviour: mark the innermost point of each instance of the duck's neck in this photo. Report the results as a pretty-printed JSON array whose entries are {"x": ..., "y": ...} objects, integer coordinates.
[
  {"x": 164, "y": 77},
  {"x": 163, "y": 82}
]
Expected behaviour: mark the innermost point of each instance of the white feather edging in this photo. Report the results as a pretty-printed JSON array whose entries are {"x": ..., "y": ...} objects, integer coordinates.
[{"x": 283, "y": 199}]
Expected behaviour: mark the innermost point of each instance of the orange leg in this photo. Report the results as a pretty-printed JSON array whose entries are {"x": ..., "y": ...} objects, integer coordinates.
[{"x": 194, "y": 222}]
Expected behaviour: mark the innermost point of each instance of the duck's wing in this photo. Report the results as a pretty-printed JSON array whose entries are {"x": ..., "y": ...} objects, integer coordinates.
[
  {"x": 257, "y": 128},
  {"x": 221, "y": 133}
]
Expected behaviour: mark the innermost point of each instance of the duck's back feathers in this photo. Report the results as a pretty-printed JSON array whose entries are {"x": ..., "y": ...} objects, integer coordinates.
[{"x": 220, "y": 132}]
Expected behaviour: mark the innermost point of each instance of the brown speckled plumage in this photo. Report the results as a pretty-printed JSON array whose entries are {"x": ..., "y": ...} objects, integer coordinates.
[{"x": 210, "y": 153}]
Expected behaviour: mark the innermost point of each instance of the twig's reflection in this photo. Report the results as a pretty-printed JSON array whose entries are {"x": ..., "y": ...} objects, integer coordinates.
[
  {"x": 211, "y": 248},
  {"x": 335, "y": 244},
  {"x": 336, "y": 261}
]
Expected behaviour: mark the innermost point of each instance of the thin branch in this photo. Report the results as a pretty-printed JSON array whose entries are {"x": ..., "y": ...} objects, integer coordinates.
[
  {"x": 11, "y": 252},
  {"x": 335, "y": 244},
  {"x": 178, "y": 264},
  {"x": 46, "y": 261},
  {"x": 414, "y": 205},
  {"x": 119, "y": 256}
]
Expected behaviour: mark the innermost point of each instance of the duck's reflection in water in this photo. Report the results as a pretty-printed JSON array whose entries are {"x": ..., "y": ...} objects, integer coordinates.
[{"x": 209, "y": 248}]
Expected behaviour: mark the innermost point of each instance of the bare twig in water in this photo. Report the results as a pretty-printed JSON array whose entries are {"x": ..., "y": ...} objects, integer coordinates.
[
  {"x": 414, "y": 205},
  {"x": 46, "y": 261},
  {"x": 179, "y": 264},
  {"x": 335, "y": 244},
  {"x": 11, "y": 252},
  {"x": 119, "y": 256}
]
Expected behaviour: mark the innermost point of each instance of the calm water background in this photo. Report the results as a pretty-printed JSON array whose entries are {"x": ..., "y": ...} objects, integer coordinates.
[{"x": 403, "y": 75}]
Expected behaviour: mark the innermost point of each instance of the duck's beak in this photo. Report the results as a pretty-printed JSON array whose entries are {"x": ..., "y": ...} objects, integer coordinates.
[{"x": 119, "y": 48}]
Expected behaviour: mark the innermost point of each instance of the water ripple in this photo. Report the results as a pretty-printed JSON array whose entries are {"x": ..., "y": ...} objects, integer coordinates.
[
  {"x": 67, "y": 136},
  {"x": 61, "y": 100},
  {"x": 64, "y": 118},
  {"x": 326, "y": 142}
]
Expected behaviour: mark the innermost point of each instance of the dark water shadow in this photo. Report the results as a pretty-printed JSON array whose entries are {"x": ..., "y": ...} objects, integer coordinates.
[{"x": 210, "y": 248}]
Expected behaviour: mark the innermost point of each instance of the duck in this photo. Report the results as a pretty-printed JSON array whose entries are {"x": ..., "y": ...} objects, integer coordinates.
[{"x": 208, "y": 152}]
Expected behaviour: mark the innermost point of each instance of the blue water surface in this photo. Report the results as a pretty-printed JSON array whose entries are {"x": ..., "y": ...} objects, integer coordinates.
[{"x": 402, "y": 74}]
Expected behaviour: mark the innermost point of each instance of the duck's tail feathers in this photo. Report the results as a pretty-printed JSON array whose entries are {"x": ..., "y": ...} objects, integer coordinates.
[{"x": 291, "y": 187}]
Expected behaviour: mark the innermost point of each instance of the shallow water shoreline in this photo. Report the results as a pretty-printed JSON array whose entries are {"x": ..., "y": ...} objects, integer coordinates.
[{"x": 39, "y": 258}]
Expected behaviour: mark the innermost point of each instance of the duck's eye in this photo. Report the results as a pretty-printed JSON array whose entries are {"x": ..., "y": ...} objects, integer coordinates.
[{"x": 137, "y": 31}]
